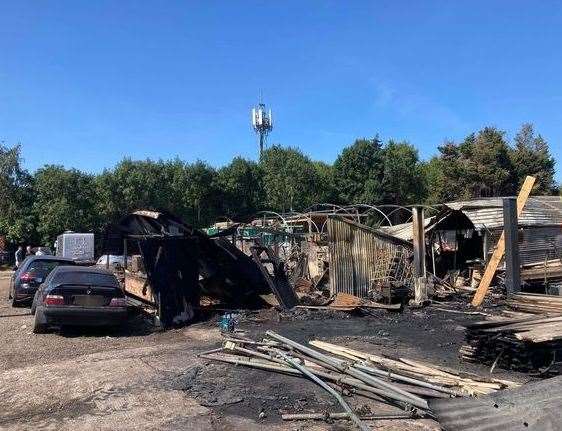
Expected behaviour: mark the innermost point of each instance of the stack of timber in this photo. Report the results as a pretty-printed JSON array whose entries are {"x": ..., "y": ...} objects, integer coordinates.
[
  {"x": 535, "y": 303},
  {"x": 399, "y": 382},
  {"x": 527, "y": 344},
  {"x": 548, "y": 270}
]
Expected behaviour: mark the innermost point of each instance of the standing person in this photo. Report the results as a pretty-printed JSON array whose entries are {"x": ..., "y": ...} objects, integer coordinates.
[
  {"x": 20, "y": 256},
  {"x": 28, "y": 251}
]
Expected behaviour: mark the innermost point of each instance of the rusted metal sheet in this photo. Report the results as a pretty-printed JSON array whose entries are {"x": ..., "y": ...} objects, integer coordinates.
[{"x": 359, "y": 256}]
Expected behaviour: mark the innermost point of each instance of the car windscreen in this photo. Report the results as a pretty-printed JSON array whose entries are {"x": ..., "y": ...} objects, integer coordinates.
[
  {"x": 41, "y": 268},
  {"x": 85, "y": 278}
]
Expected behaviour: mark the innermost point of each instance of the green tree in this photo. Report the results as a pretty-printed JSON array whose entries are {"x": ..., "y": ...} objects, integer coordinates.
[
  {"x": 531, "y": 156},
  {"x": 479, "y": 166},
  {"x": 325, "y": 190},
  {"x": 290, "y": 180},
  {"x": 453, "y": 167},
  {"x": 187, "y": 190},
  {"x": 487, "y": 164},
  {"x": 402, "y": 176},
  {"x": 359, "y": 172},
  {"x": 133, "y": 185},
  {"x": 241, "y": 186},
  {"x": 435, "y": 184},
  {"x": 201, "y": 194},
  {"x": 16, "y": 218},
  {"x": 64, "y": 200}
]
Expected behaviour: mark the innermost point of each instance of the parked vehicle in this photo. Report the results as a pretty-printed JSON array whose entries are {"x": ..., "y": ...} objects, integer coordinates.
[
  {"x": 31, "y": 273},
  {"x": 77, "y": 295},
  {"x": 77, "y": 246},
  {"x": 43, "y": 251},
  {"x": 114, "y": 261}
]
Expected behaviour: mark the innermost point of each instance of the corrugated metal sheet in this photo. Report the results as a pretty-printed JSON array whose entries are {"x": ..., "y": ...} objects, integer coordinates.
[
  {"x": 535, "y": 243},
  {"x": 359, "y": 255},
  {"x": 534, "y": 406},
  {"x": 404, "y": 230},
  {"x": 488, "y": 213}
]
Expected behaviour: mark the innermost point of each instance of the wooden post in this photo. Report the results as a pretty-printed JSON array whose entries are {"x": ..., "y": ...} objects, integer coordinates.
[
  {"x": 420, "y": 282},
  {"x": 500, "y": 248},
  {"x": 513, "y": 277},
  {"x": 419, "y": 242},
  {"x": 125, "y": 253}
]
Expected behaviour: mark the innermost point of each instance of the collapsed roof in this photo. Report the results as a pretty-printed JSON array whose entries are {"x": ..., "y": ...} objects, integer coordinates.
[{"x": 487, "y": 214}]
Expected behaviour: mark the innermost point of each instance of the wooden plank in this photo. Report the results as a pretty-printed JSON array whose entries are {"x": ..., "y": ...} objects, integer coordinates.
[
  {"x": 139, "y": 287},
  {"x": 500, "y": 248}
]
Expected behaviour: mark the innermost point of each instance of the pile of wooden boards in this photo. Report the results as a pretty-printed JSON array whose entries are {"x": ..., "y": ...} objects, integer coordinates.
[
  {"x": 523, "y": 344},
  {"x": 535, "y": 303},
  {"x": 399, "y": 382},
  {"x": 548, "y": 270}
]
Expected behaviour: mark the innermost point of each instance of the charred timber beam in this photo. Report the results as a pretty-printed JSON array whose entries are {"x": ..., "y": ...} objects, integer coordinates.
[{"x": 512, "y": 265}]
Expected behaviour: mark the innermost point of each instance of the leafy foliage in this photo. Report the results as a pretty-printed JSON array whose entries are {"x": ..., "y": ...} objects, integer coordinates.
[
  {"x": 241, "y": 186},
  {"x": 532, "y": 157},
  {"x": 289, "y": 177},
  {"x": 39, "y": 207},
  {"x": 64, "y": 200},
  {"x": 403, "y": 174},
  {"x": 16, "y": 196},
  {"x": 358, "y": 172}
]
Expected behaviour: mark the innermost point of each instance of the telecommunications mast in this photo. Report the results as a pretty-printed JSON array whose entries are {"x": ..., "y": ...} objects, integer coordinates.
[{"x": 262, "y": 122}]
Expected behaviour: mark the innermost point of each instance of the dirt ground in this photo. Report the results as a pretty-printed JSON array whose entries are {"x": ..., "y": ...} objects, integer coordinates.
[{"x": 139, "y": 378}]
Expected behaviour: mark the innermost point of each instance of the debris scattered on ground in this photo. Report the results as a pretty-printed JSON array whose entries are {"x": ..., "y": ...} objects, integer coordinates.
[
  {"x": 399, "y": 382},
  {"x": 348, "y": 302}
]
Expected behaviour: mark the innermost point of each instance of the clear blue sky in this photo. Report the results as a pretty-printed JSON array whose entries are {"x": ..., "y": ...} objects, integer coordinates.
[{"x": 85, "y": 83}]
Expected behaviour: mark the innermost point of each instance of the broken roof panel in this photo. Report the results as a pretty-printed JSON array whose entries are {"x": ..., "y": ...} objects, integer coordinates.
[
  {"x": 404, "y": 231},
  {"x": 487, "y": 213}
]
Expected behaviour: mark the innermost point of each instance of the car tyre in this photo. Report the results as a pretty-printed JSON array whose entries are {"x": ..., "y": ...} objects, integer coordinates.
[{"x": 40, "y": 324}]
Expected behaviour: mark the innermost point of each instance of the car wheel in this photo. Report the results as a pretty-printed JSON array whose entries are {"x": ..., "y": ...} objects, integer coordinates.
[
  {"x": 40, "y": 324},
  {"x": 15, "y": 303}
]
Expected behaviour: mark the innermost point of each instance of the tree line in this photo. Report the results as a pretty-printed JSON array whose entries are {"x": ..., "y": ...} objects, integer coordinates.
[{"x": 36, "y": 207}]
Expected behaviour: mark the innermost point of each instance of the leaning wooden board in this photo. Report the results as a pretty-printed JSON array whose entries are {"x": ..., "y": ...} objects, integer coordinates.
[
  {"x": 500, "y": 248},
  {"x": 139, "y": 287}
]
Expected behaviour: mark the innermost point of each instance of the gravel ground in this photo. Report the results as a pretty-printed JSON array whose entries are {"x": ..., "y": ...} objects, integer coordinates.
[{"x": 138, "y": 378}]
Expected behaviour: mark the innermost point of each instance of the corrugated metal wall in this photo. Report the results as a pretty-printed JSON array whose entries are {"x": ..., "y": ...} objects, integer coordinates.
[
  {"x": 536, "y": 243},
  {"x": 358, "y": 256}
]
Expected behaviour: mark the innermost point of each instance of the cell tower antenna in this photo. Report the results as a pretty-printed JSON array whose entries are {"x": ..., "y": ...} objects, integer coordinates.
[{"x": 262, "y": 122}]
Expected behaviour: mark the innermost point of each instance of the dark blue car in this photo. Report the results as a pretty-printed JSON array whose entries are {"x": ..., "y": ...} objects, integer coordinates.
[
  {"x": 31, "y": 273},
  {"x": 79, "y": 296}
]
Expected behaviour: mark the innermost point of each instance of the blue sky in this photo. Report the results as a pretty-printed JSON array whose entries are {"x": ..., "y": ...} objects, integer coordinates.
[{"x": 85, "y": 83}]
